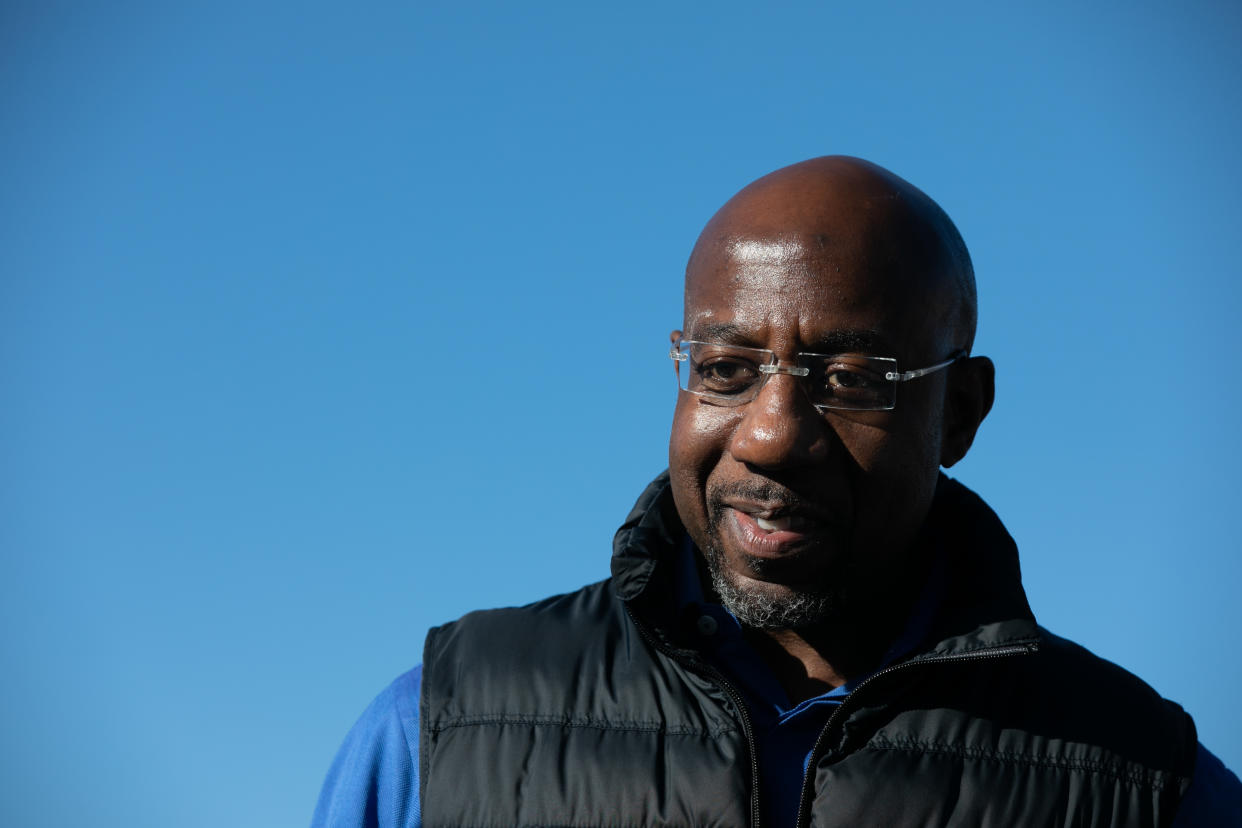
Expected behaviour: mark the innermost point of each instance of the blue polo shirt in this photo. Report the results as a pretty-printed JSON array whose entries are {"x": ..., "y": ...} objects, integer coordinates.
[{"x": 373, "y": 782}]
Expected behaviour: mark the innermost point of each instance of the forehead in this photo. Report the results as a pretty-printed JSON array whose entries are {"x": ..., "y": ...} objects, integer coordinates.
[{"x": 813, "y": 292}]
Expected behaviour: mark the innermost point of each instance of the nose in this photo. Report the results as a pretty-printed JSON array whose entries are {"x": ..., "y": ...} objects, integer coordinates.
[{"x": 781, "y": 428}]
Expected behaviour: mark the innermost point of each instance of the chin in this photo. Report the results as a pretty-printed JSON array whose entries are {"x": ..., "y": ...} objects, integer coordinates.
[{"x": 768, "y": 606}]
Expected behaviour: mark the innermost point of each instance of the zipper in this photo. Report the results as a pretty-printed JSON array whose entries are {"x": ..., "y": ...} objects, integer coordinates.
[
  {"x": 729, "y": 690},
  {"x": 804, "y": 804}
]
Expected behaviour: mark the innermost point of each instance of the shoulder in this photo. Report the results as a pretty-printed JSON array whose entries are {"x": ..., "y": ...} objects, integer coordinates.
[
  {"x": 1141, "y": 725},
  {"x": 575, "y": 657},
  {"x": 1059, "y": 706},
  {"x": 526, "y": 635},
  {"x": 1093, "y": 701},
  {"x": 373, "y": 780},
  {"x": 1092, "y": 680},
  {"x": 590, "y": 599},
  {"x": 1214, "y": 798}
]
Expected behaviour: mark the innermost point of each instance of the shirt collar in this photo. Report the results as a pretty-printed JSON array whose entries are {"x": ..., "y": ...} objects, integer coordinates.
[{"x": 740, "y": 662}]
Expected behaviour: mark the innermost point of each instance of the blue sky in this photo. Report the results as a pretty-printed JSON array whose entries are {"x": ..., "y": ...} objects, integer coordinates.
[{"x": 299, "y": 304}]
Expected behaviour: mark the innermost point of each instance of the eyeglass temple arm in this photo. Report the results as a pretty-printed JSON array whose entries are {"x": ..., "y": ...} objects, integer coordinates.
[{"x": 922, "y": 372}]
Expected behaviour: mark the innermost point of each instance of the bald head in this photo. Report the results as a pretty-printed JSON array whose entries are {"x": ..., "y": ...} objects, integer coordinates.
[{"x": 847, "y": 212}]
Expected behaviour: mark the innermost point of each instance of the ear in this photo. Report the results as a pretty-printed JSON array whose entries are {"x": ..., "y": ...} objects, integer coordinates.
[
  {"x": 673, "y": 337},
  {"x": 970, "y": 391}
]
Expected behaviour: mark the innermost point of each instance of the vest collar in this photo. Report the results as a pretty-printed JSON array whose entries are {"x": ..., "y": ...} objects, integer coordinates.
[{"x": 984, "y": 604}]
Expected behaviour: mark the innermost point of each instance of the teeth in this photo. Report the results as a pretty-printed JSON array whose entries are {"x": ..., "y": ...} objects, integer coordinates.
[{"x": 774, "y": 524}]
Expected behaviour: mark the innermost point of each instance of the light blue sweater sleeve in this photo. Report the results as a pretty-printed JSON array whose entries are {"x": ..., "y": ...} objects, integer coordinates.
[
  {"x": 373, "y": 782},
  {"x": 1214, "y": 799}
]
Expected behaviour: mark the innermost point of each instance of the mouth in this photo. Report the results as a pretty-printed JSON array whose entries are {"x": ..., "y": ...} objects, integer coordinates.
[
  {"x": 773, "y": 537},
  {"x": 776, "y": 537}
]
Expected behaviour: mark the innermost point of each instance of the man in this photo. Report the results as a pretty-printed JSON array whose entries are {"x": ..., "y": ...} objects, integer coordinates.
[{"x": 807, "y": 623}]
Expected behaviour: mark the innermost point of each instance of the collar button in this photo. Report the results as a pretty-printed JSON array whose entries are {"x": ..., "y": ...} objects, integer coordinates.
[{"x": 707, "y": 625}]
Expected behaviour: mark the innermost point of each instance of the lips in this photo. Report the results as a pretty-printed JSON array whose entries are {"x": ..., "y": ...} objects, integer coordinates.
[
  {"x": 770, "y": 532},
  {"x": 779, "y": 536},
  {"x": 766, "y": 537}
]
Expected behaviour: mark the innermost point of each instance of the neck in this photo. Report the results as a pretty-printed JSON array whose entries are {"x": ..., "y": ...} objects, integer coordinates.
[
  {"x": 813, "y": 660},
  {"x": 809, "y": 663}
]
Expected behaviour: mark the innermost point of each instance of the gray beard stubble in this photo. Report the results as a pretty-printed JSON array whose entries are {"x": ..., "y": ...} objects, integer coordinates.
[{"x": 755, "y": 609}]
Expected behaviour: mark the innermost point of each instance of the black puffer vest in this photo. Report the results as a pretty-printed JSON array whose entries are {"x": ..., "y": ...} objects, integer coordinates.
[{"x": 587, "y": 709}]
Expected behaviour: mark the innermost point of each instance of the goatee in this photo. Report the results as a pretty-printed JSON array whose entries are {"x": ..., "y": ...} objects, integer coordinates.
[{"x": 789, "y": 609}]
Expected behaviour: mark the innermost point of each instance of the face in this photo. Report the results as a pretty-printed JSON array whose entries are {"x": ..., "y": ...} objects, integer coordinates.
[{"x": 805, "y": 515}]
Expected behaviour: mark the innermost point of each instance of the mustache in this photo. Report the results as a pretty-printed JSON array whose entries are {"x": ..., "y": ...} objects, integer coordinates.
[{"x": 764, "y": 491}]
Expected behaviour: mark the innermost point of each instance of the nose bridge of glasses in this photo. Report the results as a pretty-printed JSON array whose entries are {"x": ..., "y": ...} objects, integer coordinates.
[
  {"x": 792, "y": 370},
  {"x": 780, "y": 403}
]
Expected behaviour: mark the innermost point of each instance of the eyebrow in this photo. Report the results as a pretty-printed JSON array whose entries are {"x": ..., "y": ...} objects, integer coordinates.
[
  {"x": 835, "y": 342},
  {"x": 723, "y": 332}
]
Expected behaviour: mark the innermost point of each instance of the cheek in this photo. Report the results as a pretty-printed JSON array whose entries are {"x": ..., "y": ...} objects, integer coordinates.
[
  {"x": 897, "y": 478},
  {"x": 905, "y": 447},
  {"x": 695, "y": 448},
  {"x": 900, "y": 456}
]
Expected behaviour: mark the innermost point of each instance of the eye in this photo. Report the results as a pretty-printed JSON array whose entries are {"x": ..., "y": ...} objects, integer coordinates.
[
  {"x": 851, "y": 381},
  {"x": 844, "y": 378},
  {"x": 725, "y": 375}
]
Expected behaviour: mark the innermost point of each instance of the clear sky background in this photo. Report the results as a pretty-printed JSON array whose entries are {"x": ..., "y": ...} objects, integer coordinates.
[{"x": 301, "y": 306}]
